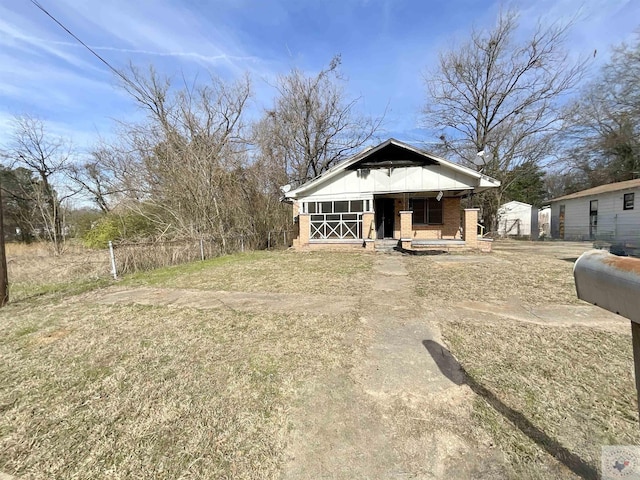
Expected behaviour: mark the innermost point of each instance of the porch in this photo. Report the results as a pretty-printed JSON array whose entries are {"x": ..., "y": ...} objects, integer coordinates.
[
  {"x": 430, "y": 224},
  {"x": 392, "y": 191}
]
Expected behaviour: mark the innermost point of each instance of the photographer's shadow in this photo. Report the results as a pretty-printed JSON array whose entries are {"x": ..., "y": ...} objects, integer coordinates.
[{"x": 450, "y": 367}]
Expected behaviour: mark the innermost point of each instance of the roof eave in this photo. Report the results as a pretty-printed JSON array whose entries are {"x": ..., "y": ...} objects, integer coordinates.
[{"x": 485, "y": 182}]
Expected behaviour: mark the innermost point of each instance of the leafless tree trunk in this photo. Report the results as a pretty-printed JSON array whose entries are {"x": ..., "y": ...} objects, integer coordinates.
[
  {"x": 501, "y": 96},
  {"x": 186, "y": 158},
  {"x": 312, "y": 125},
  {"x": 93, "y": 178},
  {"x": 602, "y": 138},
  {"x": 47, "y": 157}
]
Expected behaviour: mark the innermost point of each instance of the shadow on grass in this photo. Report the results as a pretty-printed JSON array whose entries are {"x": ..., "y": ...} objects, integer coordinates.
[
  {"x": 448, "y": 365},
  {"x": 570, "y": 259}
]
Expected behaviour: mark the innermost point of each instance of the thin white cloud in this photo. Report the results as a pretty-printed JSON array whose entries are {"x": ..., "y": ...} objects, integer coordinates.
[
  {"x": 13, "y": 38},
  {"x": 161, "y": 29},
  {"x": 194, "y": 55}
]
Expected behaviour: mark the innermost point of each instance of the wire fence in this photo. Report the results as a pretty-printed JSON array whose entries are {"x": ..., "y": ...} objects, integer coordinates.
[
  {"x": 620, "y": 232},
  {"x": 131, "y": 257}
]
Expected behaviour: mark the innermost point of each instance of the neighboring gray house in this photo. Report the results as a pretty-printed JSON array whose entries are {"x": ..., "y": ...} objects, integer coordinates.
[{"x": 609, "y": 212}]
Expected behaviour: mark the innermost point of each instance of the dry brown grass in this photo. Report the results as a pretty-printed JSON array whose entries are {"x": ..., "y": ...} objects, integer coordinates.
[
  {"x": 327, "y": 273},
  {"x": 121, "y": 391},
  {"x": 574, "y": 385},
  {"x": 524, "y": 272},
  {"x": 117, "y": 391},
  {"x": 34, "y": 270},
  {"x": 548, "y": 396},
  {"x": 95, "y": 391}
]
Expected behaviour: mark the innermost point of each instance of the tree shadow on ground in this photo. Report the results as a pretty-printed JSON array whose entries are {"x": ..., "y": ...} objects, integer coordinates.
[{"x": 449, "y": 366}]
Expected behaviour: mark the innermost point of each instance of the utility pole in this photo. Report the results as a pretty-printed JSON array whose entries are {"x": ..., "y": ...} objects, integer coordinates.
[{"x": 4, "y": 282}]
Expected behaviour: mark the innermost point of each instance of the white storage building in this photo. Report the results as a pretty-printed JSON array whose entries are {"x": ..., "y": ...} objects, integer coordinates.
[{"x": 514, "y": 219}]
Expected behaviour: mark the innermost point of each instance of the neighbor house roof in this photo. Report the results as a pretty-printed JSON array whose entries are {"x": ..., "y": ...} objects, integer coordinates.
[
  {"x": 609, "y": 187},
  {"x": 375, "y": 154}
]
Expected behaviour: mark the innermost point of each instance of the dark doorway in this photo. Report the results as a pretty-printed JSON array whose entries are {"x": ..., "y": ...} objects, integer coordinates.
[
  {"x": 385, "y": 216},
  {"x": 593, "y": 219}
]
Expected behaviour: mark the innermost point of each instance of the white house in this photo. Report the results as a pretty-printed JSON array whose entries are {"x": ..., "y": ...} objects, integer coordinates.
[
  {"x": 514, "y": 219},
  {"x": 608, "y": 212},
  {"x": 392, "y": 191}
]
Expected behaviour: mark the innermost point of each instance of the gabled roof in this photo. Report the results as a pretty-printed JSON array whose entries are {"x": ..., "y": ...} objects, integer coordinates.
[
  {"x": 515, "y": 202},
  {"x": 378, "y": 157},
  {"x": 609, "y": 187}
]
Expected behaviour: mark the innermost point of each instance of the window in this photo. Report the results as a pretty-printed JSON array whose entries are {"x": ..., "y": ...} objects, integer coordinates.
[
  {"x": 426, "y": 211},
  {"x": 628, "y": 201},
  {"x": 341, "y": 207},
  {"x": 337, "y": 220}
]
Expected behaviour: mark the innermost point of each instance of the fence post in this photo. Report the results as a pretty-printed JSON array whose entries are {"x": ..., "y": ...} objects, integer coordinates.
[
  {"x": 242, "y": 242},
  {"x": 113, "y": 261},
  {"x": 201, "y": 249},
  {"x": 284, "y": 238},
  {"x": 269, "y": 241}
]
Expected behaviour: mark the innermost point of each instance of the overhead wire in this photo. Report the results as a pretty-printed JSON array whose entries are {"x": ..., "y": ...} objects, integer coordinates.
[{"x": 96, "y": 54}]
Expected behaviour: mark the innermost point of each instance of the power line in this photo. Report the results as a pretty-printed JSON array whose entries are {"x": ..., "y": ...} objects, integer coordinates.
[{"x": 113, "y": 69}]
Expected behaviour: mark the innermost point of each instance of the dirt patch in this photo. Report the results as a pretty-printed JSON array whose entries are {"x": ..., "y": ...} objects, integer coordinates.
[
  {"x": 241, "y": 301},
  {"x": 50, "y": 337}
]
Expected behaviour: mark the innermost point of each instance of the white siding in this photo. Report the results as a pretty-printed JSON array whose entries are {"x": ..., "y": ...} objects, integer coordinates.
[
  {"x": 353, "y": 184},
  {"x": 614, "y": 223},
  {"x": 514, "y": 219},
  {"x": 544, "y": 221}
]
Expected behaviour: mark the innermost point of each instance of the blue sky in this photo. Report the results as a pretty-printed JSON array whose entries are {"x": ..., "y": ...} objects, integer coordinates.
[{"x": 386, "y": 46}]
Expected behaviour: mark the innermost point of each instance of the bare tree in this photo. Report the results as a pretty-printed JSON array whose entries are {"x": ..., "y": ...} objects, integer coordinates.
[
  {"x": 182, "y": 169},
  {"x": 312, "y": 125},
  {"x": 602, "y": 138},
  {"x": 93, "y": 179},
  {"x": 496, "y": 95},
  {"x": 47, "y": 156}
]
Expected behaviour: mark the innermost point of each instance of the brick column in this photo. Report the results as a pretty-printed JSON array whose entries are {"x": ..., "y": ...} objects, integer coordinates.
[
  {"x": 471, "y": 227},
  {"x": 368, "y": 230},
  {"x": 406, "y": 228},
  {"x": 303, "y": 230}
]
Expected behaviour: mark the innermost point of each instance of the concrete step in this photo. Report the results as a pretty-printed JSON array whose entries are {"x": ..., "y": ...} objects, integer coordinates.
[{"x": 387, "y": 245}]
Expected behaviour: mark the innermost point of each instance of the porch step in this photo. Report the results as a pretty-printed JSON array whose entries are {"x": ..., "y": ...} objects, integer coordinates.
[
  {"x": 438, "y": 243},
  {"x": 386, "y": 246}
]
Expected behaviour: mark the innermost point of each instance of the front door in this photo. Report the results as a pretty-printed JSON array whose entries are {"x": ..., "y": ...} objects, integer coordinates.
[{"x": 385, "y": 217}]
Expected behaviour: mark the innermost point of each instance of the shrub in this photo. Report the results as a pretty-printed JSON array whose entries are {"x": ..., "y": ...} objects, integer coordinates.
[{"x": 117, "y": 227}]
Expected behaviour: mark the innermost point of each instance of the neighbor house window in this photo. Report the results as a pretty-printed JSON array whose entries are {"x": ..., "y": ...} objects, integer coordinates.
[
  {"x": 426, "y": 211},
  {"x": 628, "y": 201}
]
